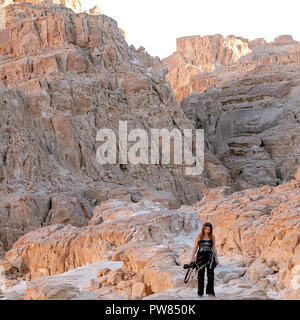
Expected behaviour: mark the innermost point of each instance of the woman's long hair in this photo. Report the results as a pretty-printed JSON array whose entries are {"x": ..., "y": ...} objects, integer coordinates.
[{"x": 210, "y": 233}]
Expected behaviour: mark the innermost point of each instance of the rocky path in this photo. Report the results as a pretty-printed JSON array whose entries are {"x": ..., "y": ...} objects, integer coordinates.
[
  {"x": 229, "y": 285},
  {"x": 73, "y": 284},
  {"x": 77, "y": 284},
  {"x": 155, "y": 266}
]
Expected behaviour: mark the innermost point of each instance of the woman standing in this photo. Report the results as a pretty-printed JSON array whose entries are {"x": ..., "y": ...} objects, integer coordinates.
[{"x": 206, "y": 259}]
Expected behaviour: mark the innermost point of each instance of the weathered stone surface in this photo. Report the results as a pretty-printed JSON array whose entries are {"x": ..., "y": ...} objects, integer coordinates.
[
  {"x": 58, "y": 248},
  {"x": 196, "y": 54},
  {"x": 41, "y": 289},
  {"x": 203, "y": 62},
  {"x": 67, "y": 208},
  {"x": 245, "y": 95},
  {"x": 138, "y": 289},
  {"x": 133, "y": 236},
  {"x": 153, "y": 269},
  {"x": 252, "y": 125},
  {"x": 20, "y": 214},
  {"x": 237, "y": 289},
  {"x": 74, "y": 284},
  {"x": 95, "y": 10},
  {"x": 63, "y": 77}
]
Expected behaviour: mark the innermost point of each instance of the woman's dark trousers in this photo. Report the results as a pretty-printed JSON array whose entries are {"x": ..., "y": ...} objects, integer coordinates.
[{"x": 210, "y": 280}]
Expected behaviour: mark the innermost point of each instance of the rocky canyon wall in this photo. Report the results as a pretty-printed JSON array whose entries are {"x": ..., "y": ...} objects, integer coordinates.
[
  {"x": 208, "y": 61},
  {"x": 246, "y": 98},
  {"x": 63, "y": 77}
]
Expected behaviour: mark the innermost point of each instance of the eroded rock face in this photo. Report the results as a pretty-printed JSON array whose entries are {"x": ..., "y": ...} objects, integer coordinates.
[
  {"x": 196, "y": 54},
  {"x": 248, "y": 106},
  {"x": 246, "y": 98},
  {"x": 41, "y": 289},
  {"x": 68, "y": 94},
  {"x": 252, "y": 125},
  {"x": 58, "y": 248},
  {"x": 63, "y": 77},
  {"x": 203, "y": 62},
  {"x": 297, "y": 176},
  {"x": 145, "y": 236},
  {"x": 95, "y": 10}
]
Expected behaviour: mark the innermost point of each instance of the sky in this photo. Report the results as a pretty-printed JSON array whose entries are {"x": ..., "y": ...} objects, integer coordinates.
[{"x": 155, "y": 24}]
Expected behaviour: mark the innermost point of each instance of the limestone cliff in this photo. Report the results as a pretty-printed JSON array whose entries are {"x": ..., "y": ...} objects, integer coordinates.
[
  {"x": 246, "y": 100},
  {"x": 196, "y": 54},
  {"x": 63, "y": 77},
  {"x": 203, "y": 62}
]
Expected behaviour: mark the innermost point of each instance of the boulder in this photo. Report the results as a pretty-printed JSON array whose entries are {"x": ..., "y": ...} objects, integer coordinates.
[{"x": 41, "y": 289}]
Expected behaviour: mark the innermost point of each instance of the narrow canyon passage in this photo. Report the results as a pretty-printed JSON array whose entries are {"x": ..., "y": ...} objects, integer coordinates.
[{"x": 73, "y": 227}]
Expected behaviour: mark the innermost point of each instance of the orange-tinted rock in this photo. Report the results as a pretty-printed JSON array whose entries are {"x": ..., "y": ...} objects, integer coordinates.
[
  {"x": 250, "y": 114},
  {"x": 41, "y": 289},
  {"x": 58, "y": 248},
  {"x": 64, "y": 76},
  {"x": 196, "y": 54},
  {"x": 209, "y": 61}
]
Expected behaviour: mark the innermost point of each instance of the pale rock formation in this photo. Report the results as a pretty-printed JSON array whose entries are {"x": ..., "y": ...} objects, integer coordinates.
[
  {"x": 66, "y": 208},
  {"x": 152, "y": 248},
  {"x": 123, "y": 33},
  {"x": 41, "y": 289},
  {"x": 145, "y": 238},
  {"x": 164, "y": 281},
  {"x": 59, "y": 248},
  {"x": 63, "y": 77},
  {"x": 285, "y": 39},
  {"x": 203, "y": 62},
  {"x": 196, "y": 54},
  {"x": 238, "y": 288},
  {"x": 71, "y": 285},
  {"x": 20, "y": 214},
  {"x": 252, "y": 124},
  {"x": 249, "y": 108}
]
